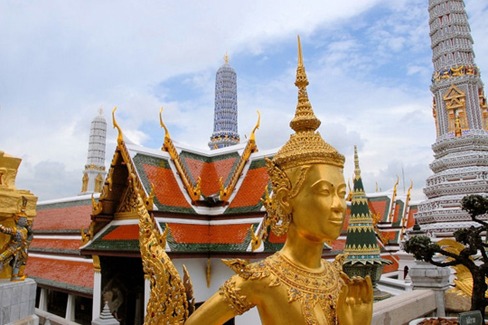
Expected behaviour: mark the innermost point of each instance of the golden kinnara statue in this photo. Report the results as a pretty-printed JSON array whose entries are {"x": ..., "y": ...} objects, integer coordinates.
[{"x": 294, "y": 285}]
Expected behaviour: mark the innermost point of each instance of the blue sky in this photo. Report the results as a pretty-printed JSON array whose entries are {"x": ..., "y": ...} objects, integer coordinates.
[{"x": 368, "y": 63}]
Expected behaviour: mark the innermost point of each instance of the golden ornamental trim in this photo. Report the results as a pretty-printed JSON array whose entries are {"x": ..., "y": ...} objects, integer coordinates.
[
  {"x": 194, "y": 191},
  {"x": 171, "y": 298},
  {"x": 251, "y": 147}
]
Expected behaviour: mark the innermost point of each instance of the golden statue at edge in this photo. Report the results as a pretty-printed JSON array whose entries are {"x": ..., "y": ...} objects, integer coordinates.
[{"x": 295, "y": 285}]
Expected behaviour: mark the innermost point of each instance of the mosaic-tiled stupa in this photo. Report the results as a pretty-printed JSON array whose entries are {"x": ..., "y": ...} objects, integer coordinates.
[
  {"x": 363, "y": 253},
  {"x": 225, "y": 116},
  {"x": 460, "y": 112}
]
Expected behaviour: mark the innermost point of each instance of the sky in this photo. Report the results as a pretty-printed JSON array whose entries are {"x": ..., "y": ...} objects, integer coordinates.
[{"x": 369, "y": 64}]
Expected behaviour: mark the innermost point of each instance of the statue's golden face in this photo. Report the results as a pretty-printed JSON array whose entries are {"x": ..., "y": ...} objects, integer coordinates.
[{"x": 318, "y": 208}]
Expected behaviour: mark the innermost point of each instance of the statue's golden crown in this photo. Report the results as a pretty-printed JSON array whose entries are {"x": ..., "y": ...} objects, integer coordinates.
[{"x": 306, "y": 146}]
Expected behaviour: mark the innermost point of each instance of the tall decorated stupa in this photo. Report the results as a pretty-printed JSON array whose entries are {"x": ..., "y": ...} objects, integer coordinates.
[
  {"x": 460, "y": 112},
  {"x": 94, "y": 173},
  {"x": 363, "y": 253},
  {"x": 225, "y": 114}
]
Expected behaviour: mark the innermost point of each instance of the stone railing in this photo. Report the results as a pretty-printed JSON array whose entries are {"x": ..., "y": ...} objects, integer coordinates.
[
  {"x": 52, "y": 319},
  {"x": 401, "y": 309}
]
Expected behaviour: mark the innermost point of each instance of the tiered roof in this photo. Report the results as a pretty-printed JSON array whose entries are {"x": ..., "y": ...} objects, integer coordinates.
[
  {"x": 209, "y": 200},
  {"x": 54, "y": 255}
]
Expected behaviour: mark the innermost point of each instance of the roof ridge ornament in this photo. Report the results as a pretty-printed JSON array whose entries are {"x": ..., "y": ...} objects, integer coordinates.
[
  {"x": 120, "y": 136},
  {"x": 226, "y": 192},
  {"x": 194, "y": 191}
]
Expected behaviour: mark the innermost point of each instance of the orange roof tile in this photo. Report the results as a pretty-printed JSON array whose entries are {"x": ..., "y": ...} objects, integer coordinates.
[
  {"x": 74, "y": 273},
  {"x": 65, "y": 218},
  {"x": 379, "y": 207},
  {"x": 166, "y": 188},
  {"x": 210, "y": 173},
  {"x": 205, "y": 234},
  {"x": 411, "y": 217},
  {"x": 126, "y": 232},
  {"x": 62, "y": 244},
  {"x": 251, "y": 189},
  {"x": 272, "y": 238},
  {"x": 392, "y": 267}
]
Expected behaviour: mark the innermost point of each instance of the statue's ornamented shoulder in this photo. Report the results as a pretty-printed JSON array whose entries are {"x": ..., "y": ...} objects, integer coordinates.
[{"x": 246, "y": 270}]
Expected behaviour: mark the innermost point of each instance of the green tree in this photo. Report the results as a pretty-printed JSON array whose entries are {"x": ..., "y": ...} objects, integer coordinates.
[{"x": 472, "y": 254}]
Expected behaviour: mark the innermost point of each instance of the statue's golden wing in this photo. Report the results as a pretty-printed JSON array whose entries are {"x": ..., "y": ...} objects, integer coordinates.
[
  {"x": 464, "y": 279},
  {"x": 171, "y": 298}
]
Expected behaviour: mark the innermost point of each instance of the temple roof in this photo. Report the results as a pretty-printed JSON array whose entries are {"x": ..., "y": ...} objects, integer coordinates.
[
  {"x": 54, "y": 253},
  {"x": 208, "y": 199},
  {"x": 65, "y": 274},
  {"x": 214, "y": 169},
  {"x": 63, "y": 215}
]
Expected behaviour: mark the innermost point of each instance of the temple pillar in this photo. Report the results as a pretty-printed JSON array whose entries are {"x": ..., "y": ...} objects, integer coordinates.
[
  {"x": 97, "y": 287},
  {"x": 70, "y": 308},
  {"x": 147, "y": 293},
  {"x": 43, "y": 299}
]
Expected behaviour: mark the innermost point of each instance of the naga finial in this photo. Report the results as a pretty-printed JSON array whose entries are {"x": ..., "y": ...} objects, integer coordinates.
[
  {"x": 120, "y": 136},
  {"x": 252, "y": 137},
  {"x": 410, "y": 188},
  {"x": 166, "y": 132}
]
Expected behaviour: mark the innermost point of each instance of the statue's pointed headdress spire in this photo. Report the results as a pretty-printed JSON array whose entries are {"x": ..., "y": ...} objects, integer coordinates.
[{"x": 306, "y": 146}]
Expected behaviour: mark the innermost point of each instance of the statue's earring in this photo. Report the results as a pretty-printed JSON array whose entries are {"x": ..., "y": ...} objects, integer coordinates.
[{"x": 283, "y": 213}]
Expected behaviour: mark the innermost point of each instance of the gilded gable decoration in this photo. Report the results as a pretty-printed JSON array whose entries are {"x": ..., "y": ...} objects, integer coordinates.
[
  {"x": 193, "y": 190},
  {"x": 455, "y": 100},
  {"x": 226, "y": 192}
]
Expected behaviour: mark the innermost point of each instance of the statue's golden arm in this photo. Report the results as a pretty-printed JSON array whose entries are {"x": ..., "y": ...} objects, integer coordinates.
[
  {"x": 355, "y": 304},
  {"x": 215, "y": 311}
]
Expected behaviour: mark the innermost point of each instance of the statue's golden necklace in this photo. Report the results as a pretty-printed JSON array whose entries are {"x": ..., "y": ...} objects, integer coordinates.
[{"x": 308, "y": 288}]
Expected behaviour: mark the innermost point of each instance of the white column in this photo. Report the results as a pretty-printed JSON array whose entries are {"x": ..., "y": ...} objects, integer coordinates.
[
  {"x": 43, "y": 299},
  {"x": 70, "y": 308},
  {"x": 97, "y": 294},
  {"x": 147, "y": 294}
]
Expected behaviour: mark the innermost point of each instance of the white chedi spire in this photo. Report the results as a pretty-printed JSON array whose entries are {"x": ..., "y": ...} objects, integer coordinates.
[{"x": 94, "y": 173}]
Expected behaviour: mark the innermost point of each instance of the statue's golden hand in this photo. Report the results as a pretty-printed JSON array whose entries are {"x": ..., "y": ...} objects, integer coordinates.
[{"x": 355, "y": 304}]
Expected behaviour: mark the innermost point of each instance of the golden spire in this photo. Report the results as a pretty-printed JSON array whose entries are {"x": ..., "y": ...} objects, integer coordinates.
[
  {"x": 226, "y": 58},
  {"x": 304, "y": 119},
  {"x": 357, "y": 171}
]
